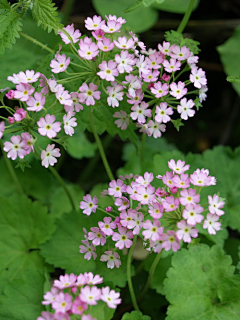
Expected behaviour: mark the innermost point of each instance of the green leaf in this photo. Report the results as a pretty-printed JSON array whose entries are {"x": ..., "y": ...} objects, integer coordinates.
[
  {"x": 78, "y": 146},
  {"x": 176, "y": 6},
  {"x": 62, "y": 250},
  {"x": 229, "y": 53},
  {"x": 11, "y": 25},
  {"x": 177, "y": 38},
  {"x": 135, "y": 315},
  {"x": 235, "y": 79},
  {"x": 194, "y": 285},
  {"x": 59, "y": 202},
  {"x": 177, "y": 123},
  {"x": 101, "y": 311},
  {"x": 134, "y": 19},
  {"x": 134, "y": 6},
  {"x": 24, "y": 225},
  {"x": 22, "y": 298},
  {"x": 44, "y": 13}
]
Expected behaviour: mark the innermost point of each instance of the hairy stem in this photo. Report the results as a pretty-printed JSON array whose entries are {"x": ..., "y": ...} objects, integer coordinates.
[
  {"x": 129, "y": 278},
  {"x": 150, "y": 276},
  {"x": 100, "y": 147},
  {"x": 38, "y": 43},
  {"x": 186, "y": 17},
  {"x": 12, "y": 171}
]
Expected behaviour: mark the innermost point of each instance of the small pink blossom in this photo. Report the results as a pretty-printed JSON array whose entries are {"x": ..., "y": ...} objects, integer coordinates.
[
  {"x": 111, "y": 26},
  {"x": 94, "y": 23},
  {"x": 192, "y": 214},
  {"x": 159, "y": 89},
  {"x": 73, "y": 34},
  {"x": 20, "y": 114},
  {"x": 211, "y": 223},
  {"x": 115, "y": 95},
  {"x": 112, "y": 259},
  {"x": 186, "y": 231},
  {"x": 172, "y": 65},
  {"x": 178, "y": 90},
  {"x": 145, "y": 195},
  {"x": 2, "y": 128},
  {"x": 78, "y": 306},
  {"x": 89, "y": 94},
  {"x": 96, "y": 236},
  {"x": 88, "y": 249},
  {"x": 189, "y": 196},
  {"x": 28, "y": 141},
  {"x": 198, "y": 78},
  {"x": 124, "y": 43},
  {"x": 123, "y": 238},
  {"x": 66, "y": 281},
  {"x": 105, "y": 45},
  {"x": 122, "y": 119},
  {"x": 170, "y": 203},
  {"x": 59, "y": 63},
  {"x": 49, "y": 156},
  {"x": 69, "y": 122},
  {"x": 140, "y": 112},
  {"x": 89, "y": 204},
  {"x": 155, "y": 129},
  {"x": 185, "y": 108},
  {"x": 153, "y": 230},
  {"x": 28, "y": 77},
  {"x": 88, "y": 51},
  {"x": 108, "y": 70},
  {"x": 23, "y": 92},
  {"x": 49, "y": 297},
  {"x": 63, "y": 96},
  {"x": 215, "y": 205},
  {"x": 170, "y": 240},
  {"x": 182, "y": 53},
  {"x": 165, "y": 48},
  {"x": 181, "y": 181},
  {"x": 124, "y": 61},
  {"x": 116, "y": 188},
  {"x": 62, "y": 302},
  {"x": 107, "y": 226},
  {"x": 179, "y": 166},
  {"x": 47, "y": 126},
  {"x": 110, "y": 297},
  {"x": 15, "y": 148},
  {"x": 36, "y": 103},
  {"x": 163, "y": 113},
  {"x": 90, "y": 295},
  {"x": 138, "y": 97}
]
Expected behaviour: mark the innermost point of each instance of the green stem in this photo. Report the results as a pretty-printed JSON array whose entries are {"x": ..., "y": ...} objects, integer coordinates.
[
  {"x": 142, "y": 150},
  {"x": 150, "y": 276},
  {"x": 100, "y": 147},
  {"x": 38, "y": 43},
  {"x": 186, "y": 17},
  {"x": 129, "y": 278},
  {"x": 12, "y": 171},
  {"x": 60, "y": 180}
]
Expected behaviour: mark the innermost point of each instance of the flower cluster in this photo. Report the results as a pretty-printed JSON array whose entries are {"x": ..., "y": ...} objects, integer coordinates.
[
  {"x": 160, "y": 216},
  {"x": 145, "y": 82},
  {"x": 73, "y": 295}
]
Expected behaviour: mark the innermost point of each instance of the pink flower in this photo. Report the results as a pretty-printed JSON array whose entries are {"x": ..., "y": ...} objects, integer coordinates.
[
  {"x": 170, "y": 240},
  {"x": 146, "y": 180},
  {"x": 170, "y": 203},
  {"x": 28, "y": 141},
  {"x": 167, "y": 179},
  {"x": 124, "y": 43},
  {"x": 47, "y": 126},
  {"x": 27, "y": 77},
  {"x": 107, "y": 226},
  {"x": 155, "y": 129},
  {"x": 122, "y": 121},
  {"x": 137, "y": 99},
  {"x": 69, "y": 122},
  {"x": 50, "y": 296},
  {"x": 155, "y": 60},
  {"x": 123, "y": 238},
  {"x": 2, "y": 128},
  {"x": 94, "y": 23},
  {"x": 76, "y": 106},
  {"x": 114, "y": 95},
  {"x": 201, "y": 178},
  {"x": 90, "y": 295},
  {"x": 105, "y": 45},
  {"x": 152, "y": 76},
  {"x": 178, "y": 89},
  {"x": 140, "y": 112},
  {"x": 116, "y": 188},
  {"x": 74, "y": 34},
  {"x": 49, "y": 156},
  {"x": 10, "y": 94},
  {"x": 166, "y": 48},
  {"x": 152, "y": 230},
  {"x": 66, "y": 281},
  {"x": 20, "y": 114},
  {"x": 160, "y": 89},
  {"x": 59, "y": 63},
  {"x": 98, "y": 35},
  {"x": 125, "y": 61},
  {"x": 63, "y": 96},
  {"x": 89, "y": 204},
  {"x": 211, "y": 223},
  {"x": 88, "y": 51},
  {"x": 163, "y": 112},
  {"x": 186, "y": 231},
  {"x": 88, "y": 249},
  {"x": 185, "y": 108},
  {"x": 215, "y": 205},
  {"x": 145, "y": 195},
  {"x": 24, "y": 90},
  {"x": 78, "y": 306},
  {"x": 111, "y": 27},
  {"x": 91, "y": 279},
  {"x": 36, "y": 103},
  {"x": 122, "y": 203},
  {"x": 202, "y": 93},
  {"x": 15, "y": 148},
  {"x": 89, "y": 93},
  {"x": 179, "y": 166},
  {"x": 62, "y": 302},
  {"x": 172, "y": 65},
  {"x": 97, "y": 236},
  {"x": 155, "y": 210},
  {"x": 112, "y": 259},
  {"x": 134, "y": 84},
  {"x": 45, "y": 315},
  {"x": 180, "y": 53},
  {"x": 110, "y": 297},
  {"x": 136, "y": 223},
  {"x": 198, "y": 78},
  {"x": 182, "y": 181},
  {"x": 192, "y": 214},
  {"x": 189, "y": 196},
  {"x": 108, "y": 70}
]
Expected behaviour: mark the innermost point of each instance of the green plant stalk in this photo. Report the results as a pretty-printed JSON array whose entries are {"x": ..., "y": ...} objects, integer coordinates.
[
  {"x": 150, "y": 276},
  {"x": 142, "y": 149},
  {"x": 100, "y": 147},
  {"x": 11, "y": 171},
  {"x": 38, "y": 43},
  {"x": 186, "y": 17},
  {"x": 129, "y": 278},
  {"x": 60, "y": 180}
]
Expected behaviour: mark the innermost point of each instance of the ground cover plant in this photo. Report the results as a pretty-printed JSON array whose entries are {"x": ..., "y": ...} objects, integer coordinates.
[{"x": 101, "y": 216}]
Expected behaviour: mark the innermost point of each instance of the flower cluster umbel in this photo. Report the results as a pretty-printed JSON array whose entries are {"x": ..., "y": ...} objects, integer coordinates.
[
  {"x": 114, "y": 68},
  {"x": 160, "y": 216},
  {"x": 73, "y": 295}
]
